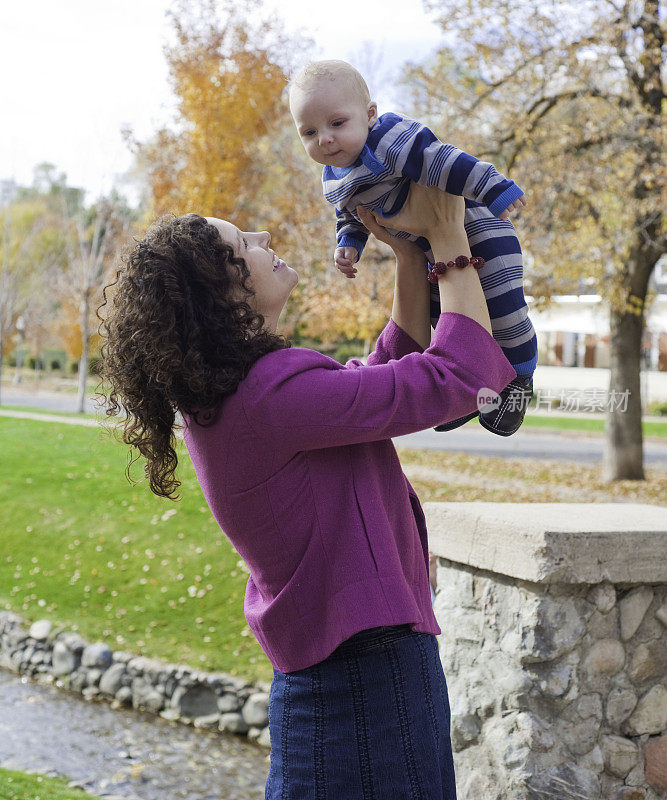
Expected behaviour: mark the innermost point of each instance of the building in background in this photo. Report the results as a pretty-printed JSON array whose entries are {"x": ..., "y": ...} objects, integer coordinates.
[
  {"x": 574, "y": 331},
  {"x": 8, "y": 190}
]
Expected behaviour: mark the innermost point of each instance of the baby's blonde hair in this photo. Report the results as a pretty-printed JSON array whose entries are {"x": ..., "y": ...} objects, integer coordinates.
[{"x": 330, "y": 69}]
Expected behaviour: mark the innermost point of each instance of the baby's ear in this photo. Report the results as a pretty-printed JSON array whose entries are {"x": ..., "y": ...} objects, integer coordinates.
[{"x": 372, "y": 113}]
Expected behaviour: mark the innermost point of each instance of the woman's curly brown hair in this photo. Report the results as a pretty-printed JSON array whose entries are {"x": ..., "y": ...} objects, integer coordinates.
[{"x": 176, "y": 337}]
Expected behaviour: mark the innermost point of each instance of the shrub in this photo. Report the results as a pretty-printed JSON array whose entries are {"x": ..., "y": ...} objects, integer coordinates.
[
  {"x": 93, "y": 365},
  {"x": 55, "y": 365},
  {"x": 657, "y": 408},
  {"x": 34, "y": 362},
  {"x": 348, "y": 350}
]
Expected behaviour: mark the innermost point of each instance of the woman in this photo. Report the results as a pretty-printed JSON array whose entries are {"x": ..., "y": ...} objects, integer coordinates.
[{"x": 293, "y": 453}]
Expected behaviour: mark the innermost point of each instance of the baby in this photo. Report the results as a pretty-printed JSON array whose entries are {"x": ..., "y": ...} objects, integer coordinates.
[{"x": 370, "y": 161}]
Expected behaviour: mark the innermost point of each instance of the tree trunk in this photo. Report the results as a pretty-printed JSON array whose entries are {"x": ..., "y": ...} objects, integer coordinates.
[
  {"x": 624, "y": 452},
  {"x": 83, "y": 363}
]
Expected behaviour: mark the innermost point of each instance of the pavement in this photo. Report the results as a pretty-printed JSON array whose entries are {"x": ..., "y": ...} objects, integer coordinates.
[{"x": 573, "y": 446}]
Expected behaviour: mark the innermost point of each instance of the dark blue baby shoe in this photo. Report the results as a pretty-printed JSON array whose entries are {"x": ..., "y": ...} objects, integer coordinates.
[
  {"x": 506, "y": 419},
  {"x": 456, "y": 423}
]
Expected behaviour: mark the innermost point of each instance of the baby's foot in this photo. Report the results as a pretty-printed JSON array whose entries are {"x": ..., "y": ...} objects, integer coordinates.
[{"x": 514, "y": 398}]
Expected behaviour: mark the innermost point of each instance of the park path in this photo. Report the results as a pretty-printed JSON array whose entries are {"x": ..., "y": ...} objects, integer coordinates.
[
  {"x": 565, "y": 446},
  {"x": 91, "y": 423}
]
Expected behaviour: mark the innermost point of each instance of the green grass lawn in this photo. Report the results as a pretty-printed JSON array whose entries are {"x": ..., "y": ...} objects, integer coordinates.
[
  {"x": 555, "y": 422},
  {"x": 82, "y": 547},
  {"x": 33, "y": 410},
  {"x": 552, "y": 421},
  {"x": 23, "y": 786}
]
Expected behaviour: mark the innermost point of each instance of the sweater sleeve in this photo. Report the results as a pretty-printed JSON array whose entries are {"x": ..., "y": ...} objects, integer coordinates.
[
  {"x": 423, "y": 158},
  {"x": 393, "y": 342},
  {"x": 299, "y": 399},
  {"x": 350, "y": 232}
]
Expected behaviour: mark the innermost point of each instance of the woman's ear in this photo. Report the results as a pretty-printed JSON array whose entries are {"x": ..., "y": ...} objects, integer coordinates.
[{"x": 372, "y": 113}]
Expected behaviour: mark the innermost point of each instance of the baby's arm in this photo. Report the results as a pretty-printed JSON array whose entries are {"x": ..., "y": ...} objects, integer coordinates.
[
  {"x": 430, "y": 162},
  {"x": 351, "y": 237}
]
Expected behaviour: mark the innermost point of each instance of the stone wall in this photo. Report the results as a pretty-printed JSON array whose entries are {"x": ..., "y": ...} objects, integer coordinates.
[
  {"x": 215, "y": 701},
  {"x": 553, "y": 644}
]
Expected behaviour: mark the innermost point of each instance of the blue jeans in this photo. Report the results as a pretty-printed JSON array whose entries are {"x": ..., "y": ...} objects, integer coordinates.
[{"x": 370, "y": 722}]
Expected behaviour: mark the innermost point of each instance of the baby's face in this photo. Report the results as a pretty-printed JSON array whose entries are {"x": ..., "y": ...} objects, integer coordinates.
[{"x": 332, "y": 120}]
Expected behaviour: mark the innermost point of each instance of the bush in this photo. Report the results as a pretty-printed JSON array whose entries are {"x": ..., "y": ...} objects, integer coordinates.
[
  {"x": 73, "y": 367},
  {"x": 93, "y": 365},
  {"x": 348, "y": 350},
  {"x": 11, "y": 361},
  {"x": 658, "y": 408},
  {"x": 55, "y": 365},
  {"x": 34, "y": 362}
]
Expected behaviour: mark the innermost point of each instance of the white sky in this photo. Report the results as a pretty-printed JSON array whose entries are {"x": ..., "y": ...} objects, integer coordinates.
[{"x": 75, "y": 71}]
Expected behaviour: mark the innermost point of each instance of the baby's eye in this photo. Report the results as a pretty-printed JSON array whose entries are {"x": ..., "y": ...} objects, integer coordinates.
[
  {"x": 338, "y": 123},
  {"x": 308, "y": 133}
]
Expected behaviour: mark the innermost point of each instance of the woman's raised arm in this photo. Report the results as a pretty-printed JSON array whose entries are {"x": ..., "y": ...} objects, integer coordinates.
[
  {"x": 438, "y": 216},
  {"x": 410, "y": 309}
]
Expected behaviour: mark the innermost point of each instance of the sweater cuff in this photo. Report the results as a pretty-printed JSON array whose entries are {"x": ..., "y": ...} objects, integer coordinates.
[
  {"x": 349, "y": 241},
  {"x": 462, "y": 334},
  {"x": 398, "y": 342},
  {"x": 505, "y": 199}
]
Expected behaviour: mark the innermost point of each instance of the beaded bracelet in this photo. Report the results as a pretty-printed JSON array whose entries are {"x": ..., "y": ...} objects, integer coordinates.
[{"x": 439, "y": 268}]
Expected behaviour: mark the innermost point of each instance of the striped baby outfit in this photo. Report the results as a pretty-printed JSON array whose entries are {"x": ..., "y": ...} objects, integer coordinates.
[{"x": 399, "y": 150}]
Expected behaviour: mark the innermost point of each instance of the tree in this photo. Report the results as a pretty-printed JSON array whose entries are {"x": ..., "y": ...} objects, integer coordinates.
[
  {"x": 31, "y": 245},
  {"x": 229, "y": 87},
  {"x": 235, "y": 154},
  {"x": 94, "y": 235},
  {"x": 568, "y": 100}
]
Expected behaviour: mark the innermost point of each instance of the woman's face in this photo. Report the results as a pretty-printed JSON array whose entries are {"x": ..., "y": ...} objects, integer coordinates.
[{"x": 270, "y": 278}]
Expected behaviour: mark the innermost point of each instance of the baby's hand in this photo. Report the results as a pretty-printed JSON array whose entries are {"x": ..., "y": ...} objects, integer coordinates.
[
  {"x": 515, "y": 206},
  {"x": 345, "y": 258}
]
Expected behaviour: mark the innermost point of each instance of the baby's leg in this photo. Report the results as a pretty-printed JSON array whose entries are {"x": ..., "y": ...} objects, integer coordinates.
[{"x": 502, "y": 282}]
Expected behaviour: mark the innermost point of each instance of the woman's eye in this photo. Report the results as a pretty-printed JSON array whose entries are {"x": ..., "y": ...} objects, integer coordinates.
[{"x": 245, "y": 242}]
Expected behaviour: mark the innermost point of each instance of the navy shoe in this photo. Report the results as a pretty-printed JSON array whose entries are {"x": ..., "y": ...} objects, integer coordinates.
[
  {"x": 456, "y": 423},
  {"x": 514, "y": 398}
]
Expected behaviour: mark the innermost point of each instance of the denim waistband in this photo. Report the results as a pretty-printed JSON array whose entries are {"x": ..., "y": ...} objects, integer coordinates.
[{"x": 370, "y": 639}]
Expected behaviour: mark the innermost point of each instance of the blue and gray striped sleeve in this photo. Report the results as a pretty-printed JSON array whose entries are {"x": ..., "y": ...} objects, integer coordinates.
[
  {"x": 419, "y": 155},
  {"x": 350, "y": 232}
]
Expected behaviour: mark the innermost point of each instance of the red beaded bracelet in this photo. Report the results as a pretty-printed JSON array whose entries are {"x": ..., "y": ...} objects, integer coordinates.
[{"x": 439, "y": 268}]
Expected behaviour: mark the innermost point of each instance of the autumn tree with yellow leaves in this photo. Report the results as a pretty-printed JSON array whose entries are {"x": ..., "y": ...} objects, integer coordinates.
[
  {"x": 567, "y": 99},
  {"x": 235, "y": 154},
  {"x": 228, "y": 86}
]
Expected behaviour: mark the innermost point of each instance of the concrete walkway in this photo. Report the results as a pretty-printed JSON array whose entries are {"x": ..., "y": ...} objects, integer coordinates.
[
  {"x": 91, "y": 423},
  {"x": 568, "y": 445}
]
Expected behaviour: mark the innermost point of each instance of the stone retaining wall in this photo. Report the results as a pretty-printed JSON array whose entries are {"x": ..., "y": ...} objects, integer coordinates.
[
  {"x": 553, "y": 644},
  {"x": 215, "y": 701}
]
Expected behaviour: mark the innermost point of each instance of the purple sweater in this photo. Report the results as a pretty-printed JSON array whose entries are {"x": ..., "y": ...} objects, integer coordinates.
[{"x": 301, "y": 474}]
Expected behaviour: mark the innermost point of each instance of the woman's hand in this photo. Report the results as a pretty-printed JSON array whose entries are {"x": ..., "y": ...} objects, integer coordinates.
[
  {"x": 401, "y": 247},
  {"x": 430, "y": 212}
]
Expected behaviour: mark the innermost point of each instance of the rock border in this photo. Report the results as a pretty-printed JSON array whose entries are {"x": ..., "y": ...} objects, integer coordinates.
[{"x": 210, "y": 700}]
